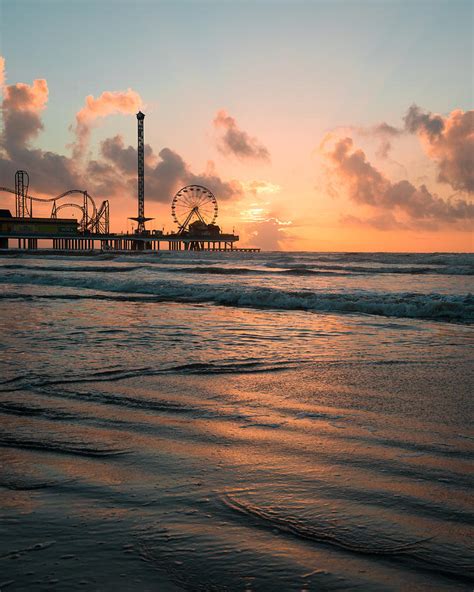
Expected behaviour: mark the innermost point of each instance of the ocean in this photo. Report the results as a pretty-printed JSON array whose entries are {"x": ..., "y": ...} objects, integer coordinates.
[{"x": 236, "y": 422}]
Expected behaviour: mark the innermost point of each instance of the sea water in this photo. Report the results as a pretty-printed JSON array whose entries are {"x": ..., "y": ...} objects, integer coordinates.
[{"x": 231, "y": 421}]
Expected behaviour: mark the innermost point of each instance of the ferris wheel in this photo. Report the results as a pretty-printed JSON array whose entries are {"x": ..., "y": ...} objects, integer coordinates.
[{"x": 191, "y": 203}]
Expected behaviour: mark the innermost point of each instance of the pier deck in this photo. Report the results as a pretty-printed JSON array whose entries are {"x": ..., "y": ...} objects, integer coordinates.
[{"x": 123, "y": 243}]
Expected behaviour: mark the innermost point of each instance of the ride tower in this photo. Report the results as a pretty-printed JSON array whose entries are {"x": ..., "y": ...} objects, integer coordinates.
[
  {"x": 22, "y": 181},
  {"x": 141, "y": 219}
]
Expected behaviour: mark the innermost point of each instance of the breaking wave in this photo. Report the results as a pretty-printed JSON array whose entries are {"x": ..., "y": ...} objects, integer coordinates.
[
  {"x": 439, "y": 307},
  {"x": 75, "y": 269},
  {"x": 445, "y": 259},
  {"x": 269, "y": 268},
  {"x": 307, "y": 269}
]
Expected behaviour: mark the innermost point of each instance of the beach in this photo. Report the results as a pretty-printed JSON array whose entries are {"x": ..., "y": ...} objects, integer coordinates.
[{"x": 231, "y": 421}]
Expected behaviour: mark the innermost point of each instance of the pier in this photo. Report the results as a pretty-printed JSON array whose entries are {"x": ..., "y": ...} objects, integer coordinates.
[
  {"x": 194, "y": 210},
  {"x": 122, "y": 243}
]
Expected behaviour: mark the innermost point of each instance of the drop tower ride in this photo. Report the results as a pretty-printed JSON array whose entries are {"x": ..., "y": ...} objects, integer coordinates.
[{"x": 141, "y": 219}]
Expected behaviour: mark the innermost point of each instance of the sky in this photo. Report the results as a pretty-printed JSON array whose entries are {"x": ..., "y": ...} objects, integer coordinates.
[{"x": 319, "y": 125}]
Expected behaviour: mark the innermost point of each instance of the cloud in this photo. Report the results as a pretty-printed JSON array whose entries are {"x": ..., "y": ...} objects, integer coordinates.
[
  {"x": 383, "y": 221},
  {"x": 2, "y": 72},
  {"x": 50, "y": 173},
  {"x": 109, "y": 103},
  {"x": 261, "y": 187},
  {"x": 385, "y": 133},
  {"x": 365, "y": 183},
  {"x": 255, "y": 212},
  {"x": 224, "y": 190},
  {"x": 113, "y": 172},
  {"x": 104, "y": 180},
  {"x": 385, "y": 129},
  {"x": 164, "y": 175},
  {"x": 21, "y": 108},
  {"x": 416, "y": 120},
  {"x": 237, "y": 142},
  {"x": 113, "y": 150},
  {"x": 269, "y": 234},
  {"x": 260, "y": 207},
  {"x": 163, "y": 180},
  {"x": 367, "y": 186},
  {"x": 449, "y": 141}
]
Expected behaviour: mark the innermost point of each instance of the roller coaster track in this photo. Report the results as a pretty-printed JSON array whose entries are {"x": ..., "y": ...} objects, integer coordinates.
[{"x": 93, "y": 220}]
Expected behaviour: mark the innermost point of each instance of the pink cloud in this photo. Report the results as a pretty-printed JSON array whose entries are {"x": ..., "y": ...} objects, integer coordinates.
[
  {"x": 270, "y": 234},
  {"x": 367, "y": 186},
  {"x": 25, "y": 97},
  {"x": 21, "y": 108},
  {"x": 237, "y": 142},
  {"x": 109, "y": 103},
  {"x": 2, "y": 72},
  {"x": 449, "y": 141}
]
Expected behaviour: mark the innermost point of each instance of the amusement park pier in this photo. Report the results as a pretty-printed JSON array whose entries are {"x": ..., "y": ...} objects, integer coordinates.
[{"x": 194, "y": 209}]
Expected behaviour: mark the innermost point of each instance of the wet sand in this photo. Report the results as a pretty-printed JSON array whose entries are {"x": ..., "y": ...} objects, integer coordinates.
[{"x": 341, "y": 476}]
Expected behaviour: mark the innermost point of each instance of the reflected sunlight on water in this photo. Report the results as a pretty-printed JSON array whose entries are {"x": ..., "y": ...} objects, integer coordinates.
[{"x": 193, "y": 431}]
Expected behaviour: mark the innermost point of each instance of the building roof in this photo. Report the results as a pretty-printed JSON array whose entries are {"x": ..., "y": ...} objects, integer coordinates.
[{"x": 36, "y": 220}]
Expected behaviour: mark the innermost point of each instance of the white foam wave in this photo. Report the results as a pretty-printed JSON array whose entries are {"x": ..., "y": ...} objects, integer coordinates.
[{"x": 440, "y": 307}]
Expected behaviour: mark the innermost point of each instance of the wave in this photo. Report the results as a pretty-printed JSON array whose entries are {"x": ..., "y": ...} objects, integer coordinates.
[
  {"x": 35, "y": 547},
  {"x": 28, "y": 381},
  {"x": 421, "y": 553},
  {"x": 312, "y": 269},
  {"x": 60, "y": 447},
  {"x": 24, "y": 485},
  {"x": 198, "y": 257},
  {"x": 453, "y": 259},
  {"x": 304, "y": 530},
  {"x": 15, "y": 408},
  {"x": 269, "y": 268},
  {"x": 434, "y": 306},
  {"x": 74, "y": 269},
  {"x": 308, "y": 269}
]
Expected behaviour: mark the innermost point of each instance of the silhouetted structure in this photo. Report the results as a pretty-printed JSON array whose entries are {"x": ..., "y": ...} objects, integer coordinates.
[
  {"x": 141, "y": 219},
  {"x": 194, "y": 203},
  {"x": 194, "y": 209},
  {"x": 92, "y": 220},
  {"x": 22, "y": 181}
]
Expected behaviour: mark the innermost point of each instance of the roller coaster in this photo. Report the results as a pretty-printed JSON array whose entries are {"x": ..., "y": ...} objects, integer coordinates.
[{"x": 92, "y": 220}]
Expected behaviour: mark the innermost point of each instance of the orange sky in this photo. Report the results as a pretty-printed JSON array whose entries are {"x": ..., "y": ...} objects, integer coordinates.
[{"x": 305, "y": 149}]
